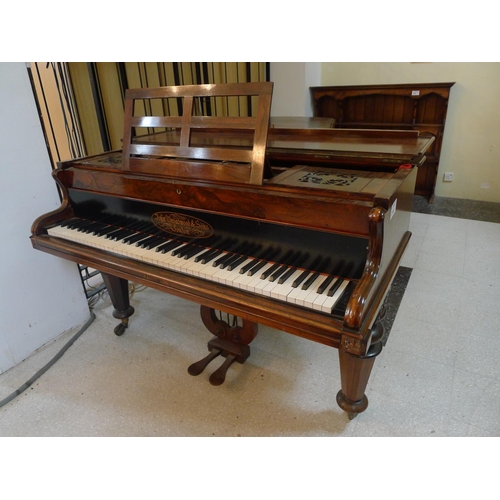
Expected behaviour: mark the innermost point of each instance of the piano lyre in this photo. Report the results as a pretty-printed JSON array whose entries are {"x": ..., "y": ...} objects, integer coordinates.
[{"x": 300, "y": 230}]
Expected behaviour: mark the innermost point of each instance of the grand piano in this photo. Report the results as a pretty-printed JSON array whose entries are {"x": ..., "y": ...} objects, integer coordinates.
[{"x": 300, "y": 229}]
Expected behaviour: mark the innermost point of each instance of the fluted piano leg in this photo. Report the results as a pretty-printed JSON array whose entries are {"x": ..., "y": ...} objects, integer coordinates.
[
  {"x": 355, "y": 372},
  {"x": 118, "y": 292}
]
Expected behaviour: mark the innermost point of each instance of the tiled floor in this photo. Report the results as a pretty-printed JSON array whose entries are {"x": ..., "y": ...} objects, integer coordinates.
[{"x": 438, "y": 375}]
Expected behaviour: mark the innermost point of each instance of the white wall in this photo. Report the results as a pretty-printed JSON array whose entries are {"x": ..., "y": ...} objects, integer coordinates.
[
  {"x": 291, "y": 95},
  {"x": 41, "y": 296},
  {"x": 471, "y": 146}
]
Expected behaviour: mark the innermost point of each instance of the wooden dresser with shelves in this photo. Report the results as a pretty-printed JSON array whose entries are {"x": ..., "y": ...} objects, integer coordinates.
[{"x": 416, "y": 106}]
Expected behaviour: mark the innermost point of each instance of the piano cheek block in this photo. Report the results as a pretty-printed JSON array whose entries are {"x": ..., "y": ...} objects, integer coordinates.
[{"x": 274, "y": 225}]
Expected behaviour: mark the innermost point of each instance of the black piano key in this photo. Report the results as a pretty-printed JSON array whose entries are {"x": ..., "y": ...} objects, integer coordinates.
[
  {"x": 104, "y": 231},
  {"x": 286, "y": 275},
  {"x": 257, "y": 267},
  {"x": 180, "y": 249},
  {"x": 236, "y": 262},
  {"x": 191, "y": 248},
  {"x": 68, "y": 222},
  {"x": 287, "y": 262},
  {"x": 278, "y": 273},
  {"x": 169, "y": 245},
  {"x": 261, "y": 263},
  {"x": 222, "y": 259},
  {"x": 307, "y": 272},
  {"x": 192, "y": 251},
  {"x": 296, "y": 264},
  {"x": 132, "y": 238},
  {"x": 310, "y": 280},
  {"x": 230, "y": 259},
  {"x": 83, "y": 224},
  {"x": 206, "y": 257},
  {"x": 211, "y": 256},
  {"x": 248, "y": 266},
  {"x": 154, "y": 243},
  {"x": 241, "y": 247},
  {"x": 231, "y": 251},
  {"x": 135, "y": 238},
  {"x": 198, "y": 245},
  {"x": 334, "y": 287},
  {"x": 172, "y": 246},
  {"x": 263, "y": 255},
  {"x": 341, "y": 304},
  {"x": 280, "y": 267},
  {"x": 88, "y": 228},
  {"x": 325, "y": 283},
  {"x": 77, "y": 221},
  {"x": 145, "y": 241},
  {"x": 251, "y": 251},
  {"x": 268, "y": 272},
  {"x": 207, "y": 254},
  {"x": 120, "y": 234},
  {"x": 235, "y": 254},
  {"x": 95, "y": 228},
  {"x": 138, "y": 226},
  {"x": 301, "y": 278}
]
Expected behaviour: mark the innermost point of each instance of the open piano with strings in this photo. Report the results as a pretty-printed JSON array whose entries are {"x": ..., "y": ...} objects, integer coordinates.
[{"x": 299, "y": 229}]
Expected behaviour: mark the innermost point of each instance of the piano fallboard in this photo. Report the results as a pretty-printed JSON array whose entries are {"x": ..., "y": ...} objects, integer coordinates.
[{"x": 311, "y": 269}]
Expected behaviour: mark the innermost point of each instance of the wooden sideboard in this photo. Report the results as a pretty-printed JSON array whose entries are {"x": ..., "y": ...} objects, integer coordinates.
[{"x": 415, "y": 106}]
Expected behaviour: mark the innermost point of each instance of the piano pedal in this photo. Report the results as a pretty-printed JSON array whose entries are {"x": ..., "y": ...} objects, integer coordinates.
[
  {"x": 231, "y": 341},
  {"x": 219, "y": 376},
  {"x": 198, "y": 367},
  {"x": 220, "y": 347}
]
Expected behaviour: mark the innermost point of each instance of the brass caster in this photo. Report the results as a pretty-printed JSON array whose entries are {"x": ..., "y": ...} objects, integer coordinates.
[{"x": 120, "y": 328}]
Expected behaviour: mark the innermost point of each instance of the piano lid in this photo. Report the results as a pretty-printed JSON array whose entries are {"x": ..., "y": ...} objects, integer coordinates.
[{"x": 239, "y": 149}]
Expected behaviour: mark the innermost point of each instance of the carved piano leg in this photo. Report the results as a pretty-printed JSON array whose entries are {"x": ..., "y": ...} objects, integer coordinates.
[
  {"x": 118, "y": 292},
  {"x": 355, "y": 372},
  {"x": 230, "y": 342}
]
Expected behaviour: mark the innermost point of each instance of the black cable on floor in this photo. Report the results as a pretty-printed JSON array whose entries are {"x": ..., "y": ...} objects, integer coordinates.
[{"x": 40, "y": 372}]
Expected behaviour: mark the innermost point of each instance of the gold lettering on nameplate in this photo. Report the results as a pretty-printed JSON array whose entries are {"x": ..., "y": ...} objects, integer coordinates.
[{"x": 182, "y": 224}]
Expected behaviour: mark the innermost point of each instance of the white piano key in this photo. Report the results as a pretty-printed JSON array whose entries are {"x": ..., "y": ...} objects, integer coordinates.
[
  {"x": 268, "y": 289},
  {"x": 190, "y": 265},
  {"x": 210, "y": 269},
  {"x": 302, "y": 295},
  {"x": 257, "y": 281},
  {"x": 329, "y": 303},
  {"x": 313, "y": 294},
  {"x": 195, "y": 268},
  {"x": 281, "y": 291},
  {"x": 243, "y": 280}
]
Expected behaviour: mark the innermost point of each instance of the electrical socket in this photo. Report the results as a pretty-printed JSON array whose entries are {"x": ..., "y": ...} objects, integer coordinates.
[{"x": 448, "y": 176}]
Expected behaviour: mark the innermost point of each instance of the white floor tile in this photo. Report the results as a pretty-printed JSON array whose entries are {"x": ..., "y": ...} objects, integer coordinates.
[{"x": 437, "y": 376}]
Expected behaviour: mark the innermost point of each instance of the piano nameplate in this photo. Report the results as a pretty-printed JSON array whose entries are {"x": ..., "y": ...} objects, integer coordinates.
[{"x": 182, "y": 224}]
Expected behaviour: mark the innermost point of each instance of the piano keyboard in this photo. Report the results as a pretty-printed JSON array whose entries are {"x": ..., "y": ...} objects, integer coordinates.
[{"x": 243, "y": 265}]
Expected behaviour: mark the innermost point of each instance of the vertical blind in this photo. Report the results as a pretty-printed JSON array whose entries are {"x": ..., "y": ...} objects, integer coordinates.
[{"x": 86, "y": 99}]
